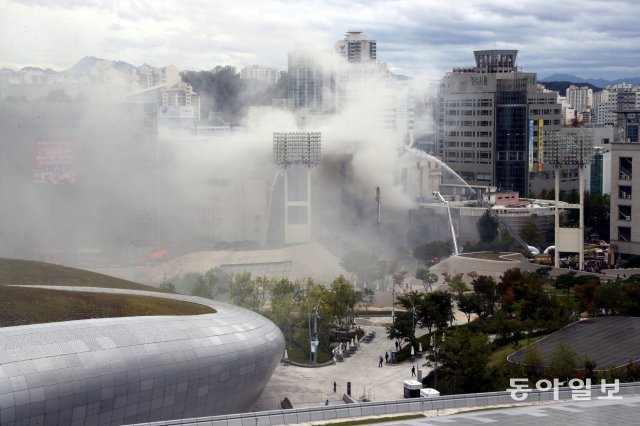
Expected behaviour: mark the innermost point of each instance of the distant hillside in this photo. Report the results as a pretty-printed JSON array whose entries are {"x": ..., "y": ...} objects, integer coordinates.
[
  {"x": 597, "y": 82},
  {"x": 86, "y": 64},
  {"x": 561, "y": 86},
  {"x": 27, "y": 272}
]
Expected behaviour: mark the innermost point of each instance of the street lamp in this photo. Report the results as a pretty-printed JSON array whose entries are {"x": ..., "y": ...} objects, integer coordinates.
[{"x": 435, "y": 357}]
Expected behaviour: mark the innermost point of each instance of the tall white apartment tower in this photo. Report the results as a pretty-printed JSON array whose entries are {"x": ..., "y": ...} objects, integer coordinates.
[
  {"x": 580, "y": 98},
  {"x": 356, "y": 48}
]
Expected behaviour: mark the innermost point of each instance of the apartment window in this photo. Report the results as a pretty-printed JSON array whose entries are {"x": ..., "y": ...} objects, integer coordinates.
[
  {"x": 624, "y": 212},
  {"x": 624, "y": 192},
  {"x": 624, "y": 233},
  {"x": 625, "y": 168},
  {"x": 468, "y": 144}
]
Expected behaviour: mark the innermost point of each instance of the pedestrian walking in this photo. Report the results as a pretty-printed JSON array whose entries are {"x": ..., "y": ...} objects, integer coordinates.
[
  {"x": 397, "y": 346},
  {"x": 386, "y": 357},
  {"x": 380, "y": 363},
  {"x": 413, "y": 371},
  {"x": 334, "y": 387}
]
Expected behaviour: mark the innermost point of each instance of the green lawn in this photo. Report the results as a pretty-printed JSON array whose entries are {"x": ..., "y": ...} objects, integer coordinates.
[
  {"x": 500, "y": 354},
  {"x": 23, "y": 305},
  {"x": 28, "y": 272}
]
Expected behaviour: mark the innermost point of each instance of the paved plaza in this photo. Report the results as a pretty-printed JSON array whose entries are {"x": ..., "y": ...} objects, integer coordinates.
[{"x": 306, "y": 387}]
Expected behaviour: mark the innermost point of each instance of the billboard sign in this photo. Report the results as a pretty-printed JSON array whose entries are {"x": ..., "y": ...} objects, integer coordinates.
[
  {"x": 540, "y": 144},
  {"x": 531, "y": 126},
  {"x": 53, "y": 162}
]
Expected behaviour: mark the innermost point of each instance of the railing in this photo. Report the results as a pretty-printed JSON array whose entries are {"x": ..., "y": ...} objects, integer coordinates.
[{"x": 385, "y": 408}]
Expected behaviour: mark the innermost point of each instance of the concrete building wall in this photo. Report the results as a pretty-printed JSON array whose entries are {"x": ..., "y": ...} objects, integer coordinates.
[{"x": 625, "y": 198}]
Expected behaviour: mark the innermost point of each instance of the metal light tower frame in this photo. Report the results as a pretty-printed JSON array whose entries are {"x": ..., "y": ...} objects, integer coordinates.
[
  {"x": 568, "y": 146},
  {"x": 297, "y": 150}
]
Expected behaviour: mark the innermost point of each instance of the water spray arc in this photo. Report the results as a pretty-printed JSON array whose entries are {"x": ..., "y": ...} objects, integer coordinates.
[
  {"x": 453, "y": 232},
  {"x": 485, "y": 204}
]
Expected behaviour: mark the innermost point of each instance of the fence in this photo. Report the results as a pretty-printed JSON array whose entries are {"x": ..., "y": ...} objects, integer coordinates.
[{"x": 385, "y": 408}]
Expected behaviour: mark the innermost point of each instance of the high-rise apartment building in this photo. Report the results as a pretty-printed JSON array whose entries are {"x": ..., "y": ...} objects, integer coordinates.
[
  {"x": 580, "y": 98},
  {"x": 309, "y": 85},
  {"x": 483, "y": 123},
  {"x": 356, "y": 48},
  {"x": 258, "y": 72}
]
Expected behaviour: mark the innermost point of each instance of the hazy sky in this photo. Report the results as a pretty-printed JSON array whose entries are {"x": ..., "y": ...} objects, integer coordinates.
[{"x": 420, "y": 38}]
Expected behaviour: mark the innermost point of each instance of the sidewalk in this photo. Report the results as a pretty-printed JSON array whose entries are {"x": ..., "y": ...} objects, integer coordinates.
[{"x": 306, "y": 387}]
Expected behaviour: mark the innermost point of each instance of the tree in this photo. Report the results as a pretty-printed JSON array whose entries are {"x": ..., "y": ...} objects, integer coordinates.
[
  {"x": 403, "y": 327},
  {"x": 168, "y": 285},
  {"x": 463, "y": 359},
  {"x": 533, "y": 360},
  {"x": 468, "y": 304},
  {"x": 563, "y": 361},
  {"x": 427, "y": 278},
  {"x": 487, "y": 288},
  {"x": 286, "y": 306},
  {"x": 244, "y": 292},
  {"x": 342, "y": 299},
  {"x": 365, "y": 265},
  {"x": 566, "y": 281},
  {"x": 455, "y": 282},
  {"x": 531, "y": 233},
  {"x": 432, "y": 252},
  {"x": 609, "y": 297},
  {"x": 366, "y": 296},
  {"x": 434, "y": 310},
  {"x": 487, "y": 227}
]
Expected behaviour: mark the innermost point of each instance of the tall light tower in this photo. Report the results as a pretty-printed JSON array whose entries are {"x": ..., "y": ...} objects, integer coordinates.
[
  {"x": 296, "y": 153},
  {"x": 569, "y": 146}
]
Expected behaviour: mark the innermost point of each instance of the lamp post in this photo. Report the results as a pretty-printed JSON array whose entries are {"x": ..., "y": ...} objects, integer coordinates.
[{"x": 435, "y": 357}]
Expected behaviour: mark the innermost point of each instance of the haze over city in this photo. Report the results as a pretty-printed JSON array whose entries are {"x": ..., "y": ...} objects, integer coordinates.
[{"x": 416, "y": 38}]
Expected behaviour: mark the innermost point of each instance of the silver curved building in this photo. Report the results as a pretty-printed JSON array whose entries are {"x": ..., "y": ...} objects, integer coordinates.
[{"x": 129, "y": 370}]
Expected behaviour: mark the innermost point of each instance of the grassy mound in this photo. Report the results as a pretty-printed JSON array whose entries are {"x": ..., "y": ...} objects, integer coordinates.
[
  {"x": 22, "y": 305},
  {"x": 28, "y": 272}
]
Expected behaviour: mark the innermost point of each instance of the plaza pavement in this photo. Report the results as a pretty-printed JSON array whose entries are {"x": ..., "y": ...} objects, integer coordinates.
[{"x": 307, "y": 387}]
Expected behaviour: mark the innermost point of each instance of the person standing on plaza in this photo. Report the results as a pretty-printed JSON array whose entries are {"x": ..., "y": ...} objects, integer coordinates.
[{"x": 413, "y": 371}]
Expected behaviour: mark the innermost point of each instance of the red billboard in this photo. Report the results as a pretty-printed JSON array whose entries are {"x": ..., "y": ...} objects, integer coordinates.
[{"x": 53, "y": 163}]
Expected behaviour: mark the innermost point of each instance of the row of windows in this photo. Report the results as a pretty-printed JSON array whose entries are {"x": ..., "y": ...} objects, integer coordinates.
[
  {"x": 542, "y": 101},
  {"x": 468, "y": 144},
  {"x": 468, "y": 154},
  {"x": 453, "y": 103},
  {"x": 545, "y": 111},
  {"x": 469, "y": 134},
  {"x": 469, "y": 123},
  {"x": 482, "y": 112}
]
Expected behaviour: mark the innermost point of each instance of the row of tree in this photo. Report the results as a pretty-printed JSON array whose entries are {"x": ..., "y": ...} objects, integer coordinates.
[{"x": 291, "y": 305}]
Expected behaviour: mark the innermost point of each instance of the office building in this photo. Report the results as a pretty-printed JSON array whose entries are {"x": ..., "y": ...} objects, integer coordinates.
[{"x": 483, "y": 123}]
